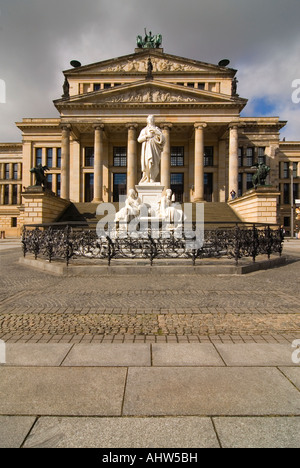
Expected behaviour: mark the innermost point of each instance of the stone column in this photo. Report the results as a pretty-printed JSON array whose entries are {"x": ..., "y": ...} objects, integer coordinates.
[
  {"x": 65, "y": 162},
  {"x": 233, "y": 159},
  {"x": 98, "y": 163},
  {"x": 1, "y": 194},
  {"x": 166, "y": 158},
  {"x": 199, "y": 162},
  {"x": 132, "y": 156}
]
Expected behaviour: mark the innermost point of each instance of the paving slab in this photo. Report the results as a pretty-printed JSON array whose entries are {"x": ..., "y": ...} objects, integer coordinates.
[
  {"x": 190, "y": 354},
  {"x": 293, "y": 374},
  {"x": 209, "y": 391},
  {"x": 178, "y": 432},
  {"x": 36, "y": 354},
  {"x": 123, "y": 355},
  {"x": 257, "y": 432},
  {"x": 61, "y": 391},
  {"x": 256, "y": 354},
  {"x": 14, "y": 429}
]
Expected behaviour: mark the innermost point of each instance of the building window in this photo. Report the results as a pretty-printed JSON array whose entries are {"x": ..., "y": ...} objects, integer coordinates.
[
  {"x": 49, "y": 181},
  {"x": 287, "y": 221},
  {"x": 58, "y": 157},
  {"x": 286, "y": 194},
  {"x": 249, "y": 184},
  {"x": 201, "y": 86},
  {"x": 240, "y": 189},
  {"x": 89, "y": 156},
  {"x": 295, "y": 169},
  {"x": 14, "y": 194},
  {"x": 14, "y": 222},
  {"x": 208, "y": 187},
  {"x": 38, "y": 156},
  {"x": 6, "y": 194},
  {"x": 58, "y": 185},
  {"x": 49, "y": 157},
  {"x": 97, "y": 86},
  {"x": 120, "y": 156},
  {"x": 177, "y": 156},
  {"x": 261, "y": 155},
  {"x": 250, "y": 157},
  {"x": 241, "y": 156},
  {"x": 191, "y": 85},
  {"x": 295, "y": 192},
  {"x": 107, "y": 85},
  {"x": 15, "y": 171},
  {"x": 119, "y": 186},
  {"x": 6, "y": 171},
  {"x": 208, "y": 156},
  {"x": 88, "y": 187},
  {"x": 177, "y": 186},
  {"x": 286, "y": 170}
]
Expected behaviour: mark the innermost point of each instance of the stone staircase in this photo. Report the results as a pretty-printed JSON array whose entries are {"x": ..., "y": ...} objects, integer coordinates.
[{"x": 215, "y": 214}]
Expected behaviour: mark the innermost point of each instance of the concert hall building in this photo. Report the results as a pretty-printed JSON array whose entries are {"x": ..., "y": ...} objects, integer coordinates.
[{"x": 93, "y": 156}]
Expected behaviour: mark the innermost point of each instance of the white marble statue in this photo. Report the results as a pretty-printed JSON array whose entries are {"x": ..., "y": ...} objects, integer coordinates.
[
  {"x": 153, "y": 142},
  {"x": 132, "y": 208},
  {"x": 168, "y": 210}
]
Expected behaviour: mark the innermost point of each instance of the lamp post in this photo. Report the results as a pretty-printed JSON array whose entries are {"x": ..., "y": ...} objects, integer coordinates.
[{"x": 292, "y": 200}]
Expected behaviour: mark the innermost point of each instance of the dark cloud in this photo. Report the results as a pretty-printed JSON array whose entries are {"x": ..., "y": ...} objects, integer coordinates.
[{"x": 38, "y": 38}]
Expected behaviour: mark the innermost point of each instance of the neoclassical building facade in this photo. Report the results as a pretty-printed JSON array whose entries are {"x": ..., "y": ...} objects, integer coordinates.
[{"x": 92, "y": 152}]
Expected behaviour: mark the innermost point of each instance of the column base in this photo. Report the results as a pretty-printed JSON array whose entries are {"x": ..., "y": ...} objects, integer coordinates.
[{"x": 97, "y": 200}]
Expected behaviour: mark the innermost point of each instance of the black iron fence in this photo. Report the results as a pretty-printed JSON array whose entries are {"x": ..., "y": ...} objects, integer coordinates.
[{"x": 63, "y": 241}]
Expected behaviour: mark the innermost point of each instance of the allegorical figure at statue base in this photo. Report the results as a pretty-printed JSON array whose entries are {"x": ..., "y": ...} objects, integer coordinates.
[
  {"x": 153, "y": 142},
  {"x": 132, "y": 208}
]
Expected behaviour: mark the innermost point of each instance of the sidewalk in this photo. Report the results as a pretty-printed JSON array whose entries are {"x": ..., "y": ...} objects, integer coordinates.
[{"x": 150, "y": 395}]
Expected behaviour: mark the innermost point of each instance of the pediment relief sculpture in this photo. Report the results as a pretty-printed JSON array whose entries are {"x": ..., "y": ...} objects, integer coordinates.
[
  {"x": 150, "y": 95},
  {"x": 141, "y": 66}
]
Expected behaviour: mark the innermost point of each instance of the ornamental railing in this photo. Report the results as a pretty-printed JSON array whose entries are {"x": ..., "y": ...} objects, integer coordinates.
[{"x": 64, "y": 242}]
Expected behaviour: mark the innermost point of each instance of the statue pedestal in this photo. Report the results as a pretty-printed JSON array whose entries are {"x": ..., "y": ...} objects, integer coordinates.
[{"x": 150, "y": 194}]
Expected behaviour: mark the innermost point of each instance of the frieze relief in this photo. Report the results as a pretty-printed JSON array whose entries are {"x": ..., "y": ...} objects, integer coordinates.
[
  {"x": 141, "y": 66},
  {"x": 150, "y": 95}
]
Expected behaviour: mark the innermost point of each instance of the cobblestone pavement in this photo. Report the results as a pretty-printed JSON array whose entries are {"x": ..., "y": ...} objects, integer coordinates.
[{"x": 38, "y": 307}]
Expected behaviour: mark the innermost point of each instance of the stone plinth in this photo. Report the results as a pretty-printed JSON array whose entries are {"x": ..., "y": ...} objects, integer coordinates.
[
  {"x": 42, "y": 206},
  {"x": 257, "y": 206},
  {"x": 150, "y": 194}
]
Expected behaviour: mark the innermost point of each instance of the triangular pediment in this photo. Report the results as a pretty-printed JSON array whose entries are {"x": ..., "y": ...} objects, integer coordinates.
[
  {"x": 149, "y": 92},
  {"x": 138, "y": 64}
]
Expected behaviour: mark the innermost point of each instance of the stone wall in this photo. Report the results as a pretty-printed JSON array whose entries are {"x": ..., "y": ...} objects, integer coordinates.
[
  {"x": 257, "y": 206},
  {"x": 42, "y": 206}
]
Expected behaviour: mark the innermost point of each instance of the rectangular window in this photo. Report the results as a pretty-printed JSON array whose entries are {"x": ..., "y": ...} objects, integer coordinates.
[
  {"x": 295, "y": 169},
  {"x": 208, "y": 187},
  {"x": 250, "y": 157},
  {"x": 88, "y": 187},
  {"x": 208, "y": 156},
  {"x": 249, "y": 181},
  {"x": 6, "y": 171},
  {"x": 89, "y": 156},
  {"x": 107, "y": 85},
  {"x": 97, "y": 86},
  {"x": 6, "y": 194},
  {"x": 58, "y": 185},
  {"x": 119, "y": 186},
  {"x": 38, "y": 156},
  {"x": 49, "y": 157},
  {"x": 49, "y": 181},
  {"x": 287, "y": 221},
  {"x": 58, "y": 157},
  {"x": 295, "y": 192},
  {"x": 14, "y": 222},
  {"x": 286, "y": 170},
  {"x": 177, "y": 156},
  {"x": 177, "y": 186},
  {"x": 191, "y": 85},
  {"x": 15, "y": 170},
  {"x": 261, "y": 155},
  {"x": 241, "y": 156},
  {"x": 15, "y": 194},
  {"x": 201, "y": 86},
  {"x": 286, "y": 194},
  {"x": 120, "y": 156},
  {"x": 240, "y": 189}
]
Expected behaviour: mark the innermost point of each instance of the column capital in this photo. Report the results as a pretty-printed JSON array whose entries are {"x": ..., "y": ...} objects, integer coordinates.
[
  {"x": 65, "y": 126},
  {"x": 132, "y": 126},
  {"x": 167, "y": 126},
  {"x": 234, "y": 125},
  {"x": 98, "y": 126},
  {"x": 200, "y": 125}
]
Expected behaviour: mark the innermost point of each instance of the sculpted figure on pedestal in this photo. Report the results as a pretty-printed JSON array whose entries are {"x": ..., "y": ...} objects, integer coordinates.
[{"x": 153, "y": 142}]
